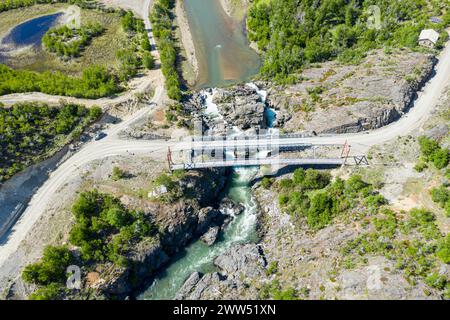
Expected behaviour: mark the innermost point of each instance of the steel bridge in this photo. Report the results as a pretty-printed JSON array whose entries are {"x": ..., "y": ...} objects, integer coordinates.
[{"x": 259, "y": 150}]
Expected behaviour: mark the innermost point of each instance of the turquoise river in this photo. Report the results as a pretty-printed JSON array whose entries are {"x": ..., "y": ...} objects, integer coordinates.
[{"x": 224, "y": 58}]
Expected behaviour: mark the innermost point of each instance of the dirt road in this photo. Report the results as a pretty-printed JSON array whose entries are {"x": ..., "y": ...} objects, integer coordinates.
[{"x": 112, "y": 145}]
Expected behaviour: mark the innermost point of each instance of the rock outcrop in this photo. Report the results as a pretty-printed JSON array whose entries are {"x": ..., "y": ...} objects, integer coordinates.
[
  {"x": 210, "y": 237},
  {"x": 238, "y": 264},
  {"x": 181, "y": 222},
  {"x": 241, "y": 106},
  {"x": 230, "y": 207},
  {"x": 357, "y": 97}
]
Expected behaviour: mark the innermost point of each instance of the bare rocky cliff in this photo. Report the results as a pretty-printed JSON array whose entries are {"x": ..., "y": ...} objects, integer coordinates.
[
  {"x": 179, "y": 223},
  {"x": 359, "y": 97}
]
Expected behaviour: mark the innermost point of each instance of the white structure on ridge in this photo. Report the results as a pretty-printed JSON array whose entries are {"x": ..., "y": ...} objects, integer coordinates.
[{"x": 428, "y": 38}]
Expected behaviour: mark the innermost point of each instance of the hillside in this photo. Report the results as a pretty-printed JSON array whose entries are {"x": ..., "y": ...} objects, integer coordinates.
[{"x": 295, "y": 33}]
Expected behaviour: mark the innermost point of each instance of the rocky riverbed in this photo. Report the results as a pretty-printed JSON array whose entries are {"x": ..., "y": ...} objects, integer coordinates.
[
  {"x": 179, "y": 223},
  {"x": 366, "y": 96}
]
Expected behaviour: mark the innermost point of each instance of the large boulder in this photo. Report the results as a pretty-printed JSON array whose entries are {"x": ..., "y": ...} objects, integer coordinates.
[
  {"x": 210, "y": 237},
  {"x": 237, "y": 264},
  {"x": 241, "y": 106},
  {"x": 246, "y": 260}
]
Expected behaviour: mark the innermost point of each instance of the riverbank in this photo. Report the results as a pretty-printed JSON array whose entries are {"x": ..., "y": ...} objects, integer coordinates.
[
  {"x": 179, "y": 221},
  {"x": 236, "y": 9},
  {"x": 190, "y": 63}
]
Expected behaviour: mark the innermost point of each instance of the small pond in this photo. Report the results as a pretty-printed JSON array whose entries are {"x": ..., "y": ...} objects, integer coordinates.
[{"x": 30, "y": 33}]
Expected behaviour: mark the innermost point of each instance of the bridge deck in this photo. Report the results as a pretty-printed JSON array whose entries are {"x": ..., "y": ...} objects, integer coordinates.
[{"x": 257, "y": 162}]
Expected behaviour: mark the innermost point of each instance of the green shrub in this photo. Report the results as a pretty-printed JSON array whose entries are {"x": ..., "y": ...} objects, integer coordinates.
[
  {"x": 320, "y": 212},
  {"x": 443, "y": 251},
  {"x": 440, "y": 195},
  {"x": 117, "y": 174},
  {"x": 355, "y": 184},
  {"x": 420, "y": 166},
  {"x": 440, "y": 158},
  {"x": 315, "y": 179},
  {"x": 131, "y": 23},
  {"x": 148, "y": 61},
  {"x": 52, "y": 291},
  {"x": 272, "y": 268},
  {"x": 266, "y": 183},
  {"x": 288, "y": 294},
  {"x": 299, "y": 176},
  {"x": 436, "y": 281},
  {"x": 274, "y": 291},
  {"x": 95, "y": 113},
  {"x": 283, "y": 199},
  {"x": 432, "y": 152},
  {"x": 117, "y": 217},
  {"x": 447, "y": 208},
  {"x": 51, "y": 268}
]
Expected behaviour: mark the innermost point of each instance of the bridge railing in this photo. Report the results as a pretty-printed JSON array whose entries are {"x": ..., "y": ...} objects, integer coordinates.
[{"x": 265, "y": 136}]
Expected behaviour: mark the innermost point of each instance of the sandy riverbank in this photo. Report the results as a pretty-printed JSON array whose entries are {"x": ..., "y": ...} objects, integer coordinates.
[
  {"x": 236, "y": 9},
  {"x": 186, "y": 41}
]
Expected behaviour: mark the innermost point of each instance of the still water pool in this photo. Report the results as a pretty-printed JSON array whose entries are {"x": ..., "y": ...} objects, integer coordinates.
[{"x": 30, "y": 32}]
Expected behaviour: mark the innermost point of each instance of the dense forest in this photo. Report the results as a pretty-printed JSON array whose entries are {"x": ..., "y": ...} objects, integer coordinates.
[
  {"x": 161, "y": 19},
  {"x": 30, "y": 131},
  {"x": 293, "y": 33},
  {"x": 69, "y": 43},
  {"x": 95, "y": 82}
]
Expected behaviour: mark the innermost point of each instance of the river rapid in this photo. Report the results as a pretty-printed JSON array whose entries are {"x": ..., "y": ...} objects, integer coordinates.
[{"x": 224, "y": 58}]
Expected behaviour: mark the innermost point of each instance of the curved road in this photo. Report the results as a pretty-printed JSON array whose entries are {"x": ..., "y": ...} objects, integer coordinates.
[{"x": 113, "y": 146}]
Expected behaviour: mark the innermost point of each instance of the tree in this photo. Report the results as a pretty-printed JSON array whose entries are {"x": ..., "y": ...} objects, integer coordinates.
[
  {"x": 117, "y": 217},
  {"x": 320, "y": 212},
  {"x": 51, "y": 268}
]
